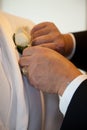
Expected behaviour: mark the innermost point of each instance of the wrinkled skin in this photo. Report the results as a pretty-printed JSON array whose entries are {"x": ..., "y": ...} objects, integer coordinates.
[
  {"x": 46, "y": 34},
  {"x": 48, "y": 70}
]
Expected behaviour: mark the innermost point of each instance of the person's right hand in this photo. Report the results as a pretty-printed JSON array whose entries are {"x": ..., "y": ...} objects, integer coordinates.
[
  {"x": 48, "y": 70},
  {"x": 46, "y": 34}
]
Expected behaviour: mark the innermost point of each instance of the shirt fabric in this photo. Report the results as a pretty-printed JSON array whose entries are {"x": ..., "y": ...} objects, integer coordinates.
[{"x": 74, "y": 46}]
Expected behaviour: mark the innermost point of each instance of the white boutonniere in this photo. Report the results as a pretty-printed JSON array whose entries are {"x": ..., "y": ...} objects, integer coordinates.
[{"x": 22, "y": 38}]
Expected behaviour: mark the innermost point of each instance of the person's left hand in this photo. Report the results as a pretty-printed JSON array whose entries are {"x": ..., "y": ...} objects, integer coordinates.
[
  {"x": 48, "y": 70},
  {"x": 46, "y": 34}
]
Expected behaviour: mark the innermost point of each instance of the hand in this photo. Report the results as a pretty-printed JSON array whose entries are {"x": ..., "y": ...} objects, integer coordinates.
[
  {"x": 46, "y": 34},
  {"x": 47, "y": 69}
]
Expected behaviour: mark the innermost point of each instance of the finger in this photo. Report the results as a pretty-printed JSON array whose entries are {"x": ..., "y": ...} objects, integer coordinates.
[
  {"x": 43, "y": 31},
  {"x": 31, "y": 51},
  {"x": 53, "y": 46},
  {"x": 42, "y": 39},
  {"x": 49, "y": 45},
  {"x": 24, "y": 61},
  {"x": 28, "y": 51},
  {"x": 39, "y": 26}
]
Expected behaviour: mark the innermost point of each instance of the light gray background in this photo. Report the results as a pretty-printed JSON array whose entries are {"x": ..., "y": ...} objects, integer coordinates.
[{"x": 68, "y": 15}]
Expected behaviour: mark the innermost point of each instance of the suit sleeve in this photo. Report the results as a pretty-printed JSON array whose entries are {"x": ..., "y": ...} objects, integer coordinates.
[
  {"x": 79, "y": 58},
  {"x": 76, "y": 115}
]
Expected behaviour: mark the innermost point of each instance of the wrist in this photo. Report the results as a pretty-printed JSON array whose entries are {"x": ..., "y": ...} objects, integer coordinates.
[{"x": 67, "y": 81}]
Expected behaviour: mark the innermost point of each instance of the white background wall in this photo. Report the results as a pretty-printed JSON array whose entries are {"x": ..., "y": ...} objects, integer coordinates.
[{"x": 68, "y": 15}]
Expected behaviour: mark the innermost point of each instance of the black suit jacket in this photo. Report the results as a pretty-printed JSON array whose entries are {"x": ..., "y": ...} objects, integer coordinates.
[
  {"x": 80, "y": 56},
  {"x": 76, "y": 115}
]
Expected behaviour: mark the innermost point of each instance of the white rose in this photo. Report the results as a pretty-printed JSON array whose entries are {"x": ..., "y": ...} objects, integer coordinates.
[{"x": 22, "y": 37}]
